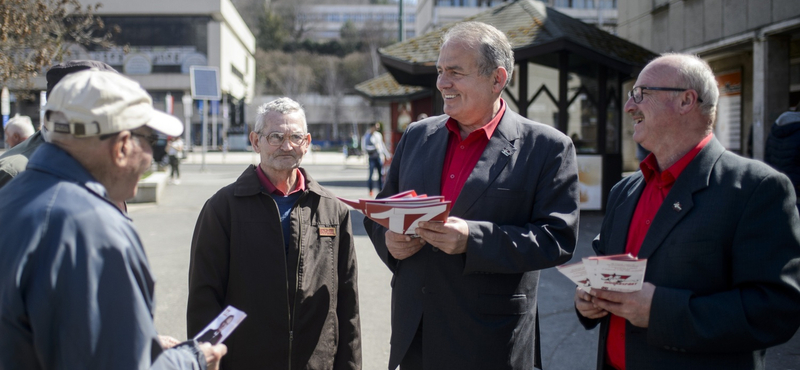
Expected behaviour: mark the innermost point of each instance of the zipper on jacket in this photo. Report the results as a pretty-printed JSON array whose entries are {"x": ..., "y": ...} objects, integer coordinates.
[{"x": 293, "y": 308}]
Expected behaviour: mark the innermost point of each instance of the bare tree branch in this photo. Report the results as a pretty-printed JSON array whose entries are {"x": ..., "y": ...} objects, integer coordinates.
[{"x": 36, "y": 33}]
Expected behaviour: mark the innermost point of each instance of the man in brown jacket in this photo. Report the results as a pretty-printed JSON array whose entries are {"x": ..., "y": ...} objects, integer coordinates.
[{"x": 278, "y": 246}]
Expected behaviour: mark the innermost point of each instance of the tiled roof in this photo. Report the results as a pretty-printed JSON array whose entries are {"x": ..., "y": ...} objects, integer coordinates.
[
  {"x": 528, "y": 25},
  {"x": 385, "y": 87}
]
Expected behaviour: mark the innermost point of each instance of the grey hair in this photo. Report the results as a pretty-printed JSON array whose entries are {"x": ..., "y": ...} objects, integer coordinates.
[
  {"x": 281, "y": 105},
  {"x": 493, "y": 46},
  {"x": 21, "y": 125},
  {"x": 695, "y": 73}
]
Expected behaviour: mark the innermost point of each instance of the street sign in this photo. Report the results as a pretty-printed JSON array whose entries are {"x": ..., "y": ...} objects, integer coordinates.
[{"x": 205, "y": 83}]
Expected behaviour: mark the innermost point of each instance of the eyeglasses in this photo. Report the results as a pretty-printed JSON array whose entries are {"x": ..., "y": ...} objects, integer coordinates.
[
  {"x": 637, "y": 92},
  {"x": 276, "y": 138},
  {"x": 151, "y": 139}
]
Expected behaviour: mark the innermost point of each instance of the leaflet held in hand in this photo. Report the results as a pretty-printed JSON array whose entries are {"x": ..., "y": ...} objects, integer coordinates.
[
  {"x": 222, "y": 326},
  {"x": 402, "y": 212},
  {"x": 619, "y": 273}
]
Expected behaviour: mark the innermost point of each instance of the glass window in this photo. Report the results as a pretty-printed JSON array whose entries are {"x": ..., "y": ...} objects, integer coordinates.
[{"x": 161, "y": 31}]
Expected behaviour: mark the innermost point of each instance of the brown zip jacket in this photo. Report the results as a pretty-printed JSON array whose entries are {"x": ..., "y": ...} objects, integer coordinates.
[{"x": 302, "y": 309}]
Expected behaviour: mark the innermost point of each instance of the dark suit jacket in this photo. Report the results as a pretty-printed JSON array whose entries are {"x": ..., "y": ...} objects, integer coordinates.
[
  {"x": 521, "y": 204},
  {"x": 724, "y": 254}
]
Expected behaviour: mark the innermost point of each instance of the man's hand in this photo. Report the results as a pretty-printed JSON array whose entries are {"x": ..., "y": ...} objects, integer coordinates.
[
  {"x": 583, "y": 302},
  {"x": 213, "y": 354},
  {"x": 633, "y": 306},
  {"x": 168, "y": 342},
  {"x": 450, "y": 237},
  {"x": 402, "y": 246}
]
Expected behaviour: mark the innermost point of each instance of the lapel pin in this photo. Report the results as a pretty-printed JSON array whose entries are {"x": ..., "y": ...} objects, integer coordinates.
[
  {"x": 506, "y": 152},
  {"x": 676, "y": 207}
]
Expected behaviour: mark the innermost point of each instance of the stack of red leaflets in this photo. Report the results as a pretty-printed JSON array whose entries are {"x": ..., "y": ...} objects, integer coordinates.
[
  {"x": 619, "y": 272},
  {"x": 401, "y": 212}
]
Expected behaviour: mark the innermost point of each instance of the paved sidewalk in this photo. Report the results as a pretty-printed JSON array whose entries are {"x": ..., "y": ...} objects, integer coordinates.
[{"x": 166, "y": 231}]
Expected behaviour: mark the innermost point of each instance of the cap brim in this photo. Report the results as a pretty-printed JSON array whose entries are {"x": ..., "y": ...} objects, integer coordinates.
[{"x": 165, "y": 123}]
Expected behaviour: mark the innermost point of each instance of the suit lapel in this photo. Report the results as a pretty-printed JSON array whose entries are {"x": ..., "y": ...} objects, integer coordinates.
[
  {"x": 679, "y": 202},
  {"x": 493, "y": 160},
  {"x": 435, "y": 145}
]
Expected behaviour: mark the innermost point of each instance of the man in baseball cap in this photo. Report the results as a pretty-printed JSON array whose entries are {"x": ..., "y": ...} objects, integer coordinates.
[
  {"x": 13, "y": 161},
  {"x": 75, "y": 285}
]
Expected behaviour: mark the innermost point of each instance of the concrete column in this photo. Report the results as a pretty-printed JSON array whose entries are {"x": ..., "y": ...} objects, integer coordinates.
[{"x": 770, "y": 87}]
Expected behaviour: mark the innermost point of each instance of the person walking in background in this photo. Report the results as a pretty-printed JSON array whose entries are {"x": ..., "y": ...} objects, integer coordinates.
[
  {"x": 782, "y": 150},
  {"x": 13, "y": 161},
  {"x": 175, "y": 152},
  {"x": 18, "y": 129},
  {"x": 376, "y": 154},
  {"x": 278, "y": 246},
  {"x": 464, "y": 291},
  {"x": 76, "y": 290},
  {"x": 720, "y": 233}
]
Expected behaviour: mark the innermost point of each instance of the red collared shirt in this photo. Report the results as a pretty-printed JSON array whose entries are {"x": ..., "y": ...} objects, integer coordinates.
[
  {"x": 657, "y": 186},
  {"x": 271, "y": 189},
  {"x": 462, "y": 155}
]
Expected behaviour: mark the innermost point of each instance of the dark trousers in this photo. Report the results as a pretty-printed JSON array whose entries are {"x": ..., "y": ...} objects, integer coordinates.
[
  {"x": 174, "y": 162},
  {"x": 375, "y": 164}
]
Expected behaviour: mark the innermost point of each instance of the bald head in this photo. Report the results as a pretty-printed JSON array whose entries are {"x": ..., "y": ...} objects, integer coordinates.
[{"x": 691, "y": 72}]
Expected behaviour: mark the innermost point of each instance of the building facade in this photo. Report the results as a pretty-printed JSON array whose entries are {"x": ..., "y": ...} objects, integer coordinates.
[
  {"x": 324, "y": 22},
  {"x": 753, "y": 46},
  {"x": 157, "y": 44},
  {"x": 433, "y": 14}
]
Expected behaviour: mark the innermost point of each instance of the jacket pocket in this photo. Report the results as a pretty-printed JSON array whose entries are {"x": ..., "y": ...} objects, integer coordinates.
[
  {"x": 505, "y": 193},
  {"x": 502, "y": 304}
]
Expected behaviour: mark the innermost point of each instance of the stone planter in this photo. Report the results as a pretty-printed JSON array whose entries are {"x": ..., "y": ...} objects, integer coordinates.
[{"x": 149, "y": 189}]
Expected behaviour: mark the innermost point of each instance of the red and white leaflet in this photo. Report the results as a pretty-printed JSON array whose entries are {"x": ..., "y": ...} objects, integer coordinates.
[
  {"x": 403, "y": 219},
  {"x": 615, "y": 257},
  {"x": 577, "y": 273},
  {"x": 353, "y": 203},
  {"x": 403, "y": 211},
  {"x": 616, "y": 273},
  {"x": 406, "y": 194}
]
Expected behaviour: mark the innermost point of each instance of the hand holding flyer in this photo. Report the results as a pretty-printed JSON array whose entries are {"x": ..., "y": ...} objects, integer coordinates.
[
  {"x": 222, "y": 326},
  {"x": 619, "y": 273},
  {"x": 402, "y": 212}
]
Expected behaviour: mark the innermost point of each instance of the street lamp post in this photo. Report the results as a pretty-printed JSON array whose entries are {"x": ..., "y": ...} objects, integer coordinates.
[{"x": 188, "y": 109}]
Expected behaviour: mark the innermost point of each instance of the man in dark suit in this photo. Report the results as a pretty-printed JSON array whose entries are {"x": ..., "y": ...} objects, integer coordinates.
[
  {"x": 720, "y": 233},
  {"x": 464, "y": 291}
]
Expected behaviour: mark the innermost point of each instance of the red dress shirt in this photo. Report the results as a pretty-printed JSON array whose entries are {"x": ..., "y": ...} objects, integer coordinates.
[
  {"x": 462, "y": 155},
  {"x": 271, "y": 189},
  {"x": 657, "y": 186}
]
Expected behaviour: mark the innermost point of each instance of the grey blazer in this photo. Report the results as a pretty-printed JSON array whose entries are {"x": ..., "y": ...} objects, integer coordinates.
[
  {"x": 724, "y": 253},
  {"x": 521, "y": 205}
]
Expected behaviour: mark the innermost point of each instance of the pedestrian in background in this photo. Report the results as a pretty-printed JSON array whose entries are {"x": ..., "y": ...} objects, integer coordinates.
[
  {"x": 464, "y": 291},
  {"x": 376, "y": 154},
  {"x": 175, "y": 152},
  {"x": 720, "y": 233},
  {"x": 76, "y": 290},
  {"x": 783, "y": 146},
  {"x": 278, "y": 246},
  {"x": 18, "y": 129}
]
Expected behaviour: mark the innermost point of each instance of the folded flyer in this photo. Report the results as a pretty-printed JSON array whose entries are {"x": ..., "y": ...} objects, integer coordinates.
[
  {"x": 402, "y": 212},
  {"x": 222, "y": 326},
  {"x": 619, "y": 273}
]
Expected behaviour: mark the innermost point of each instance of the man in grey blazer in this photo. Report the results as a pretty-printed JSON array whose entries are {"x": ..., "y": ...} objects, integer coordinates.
[
  {"x": 464, "y": 291},
  {"x": 720, "y": 233}
]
